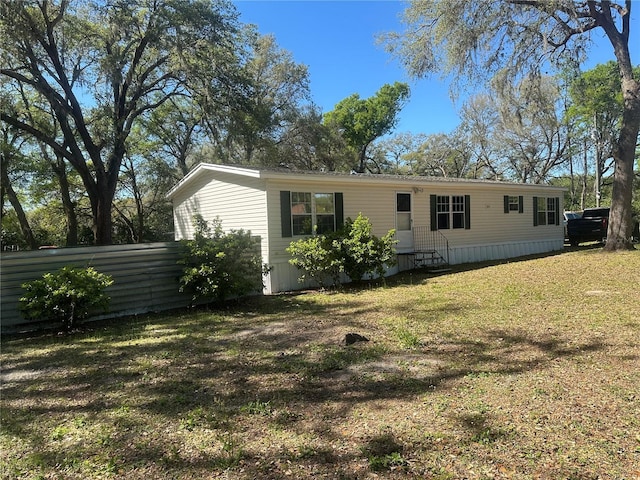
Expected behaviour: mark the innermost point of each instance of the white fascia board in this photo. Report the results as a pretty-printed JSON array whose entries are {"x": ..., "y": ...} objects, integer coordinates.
[
  {"x": 247, "y": 172},
  {"x": 359, "y": 178}
]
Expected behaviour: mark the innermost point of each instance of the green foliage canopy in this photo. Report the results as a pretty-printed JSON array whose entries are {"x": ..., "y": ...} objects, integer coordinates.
[
  {"x": 100, "y": 67},
  {"x": 364, "y": 120}
]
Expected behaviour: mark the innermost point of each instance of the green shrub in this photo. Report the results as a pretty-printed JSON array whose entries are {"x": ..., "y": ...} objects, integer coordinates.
[
  {"x": 67, "y": 296},
  {"x": 353, "y": 250},
  {"x": 363, "y": 253},
  {"x": 219, "y": 265},
  {"x": 319, "y": 258}
]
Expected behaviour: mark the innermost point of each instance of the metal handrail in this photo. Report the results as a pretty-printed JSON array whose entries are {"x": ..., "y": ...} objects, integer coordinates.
[{"x": 427, "y": 240}]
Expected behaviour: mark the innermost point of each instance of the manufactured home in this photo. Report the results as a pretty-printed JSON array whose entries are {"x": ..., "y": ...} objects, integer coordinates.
[{"x": 437, "y": 220}]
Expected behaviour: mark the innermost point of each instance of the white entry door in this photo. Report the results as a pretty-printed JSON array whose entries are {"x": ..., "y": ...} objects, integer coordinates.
[{"x": 404, "y": 222}]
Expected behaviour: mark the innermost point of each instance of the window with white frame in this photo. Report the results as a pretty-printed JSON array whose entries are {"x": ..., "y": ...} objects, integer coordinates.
[
  {"x": 450, "y": 212},
  {"x": 312, "y": 213},
  {"x": 551, "y": 211},
  {"x": 513, "y": 204},
  {"x": 546, "y": 211},
  {"x": 324, "y": 209},
  {"x": 543, "y": 214},
  {"x": 457, "y": 211},
  {"x": 443, "y": 204}
]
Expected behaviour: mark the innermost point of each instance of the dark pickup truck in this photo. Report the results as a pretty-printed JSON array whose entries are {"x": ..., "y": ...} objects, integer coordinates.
[{"x": 591, "y": 226}]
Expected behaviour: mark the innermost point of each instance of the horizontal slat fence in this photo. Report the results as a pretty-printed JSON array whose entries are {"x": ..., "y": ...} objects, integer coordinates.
[{"x": 145, "y": 277}]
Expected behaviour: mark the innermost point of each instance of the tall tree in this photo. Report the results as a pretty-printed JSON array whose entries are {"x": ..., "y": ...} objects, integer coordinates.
[
  {"x": 596, "y": 104},
  {"x": 9, "y": 157},
  {"x": 399, "y": 153},
  {"x": 444, "y": 155},
  {"x": 309, "y": 144},
  {"x": 480, "y": 122},
  {"x": 277, "y": 89},
  {"x": 153, "y": 163},
  {"x": 531, "y": 131},
  {"x": 103, "y": 65},
  {"x": 175, "y": 130},
  {"x": 364, "y": 120},
  {"x": 476, "y": 40}
]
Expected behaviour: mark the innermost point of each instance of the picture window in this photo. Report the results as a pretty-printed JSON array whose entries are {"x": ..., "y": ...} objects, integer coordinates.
[{"x": 312, "y": 213}]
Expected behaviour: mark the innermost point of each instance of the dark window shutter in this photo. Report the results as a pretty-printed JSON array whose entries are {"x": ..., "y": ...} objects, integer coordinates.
[
  {"x": 557, "y": 211},
  {"x": 506, "y": 204},
  {"x": 339, "y": 206},
  {"x": 467, "y": 212},
  {"x": 520, "y": 204},
  {"x": 434, "y": 215},
  {"x": 535, "y": 211},
  {"x": 285, "y": 213}
]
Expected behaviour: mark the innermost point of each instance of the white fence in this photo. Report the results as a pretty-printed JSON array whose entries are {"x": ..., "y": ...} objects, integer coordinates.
[{"x": 145, "y": 277}]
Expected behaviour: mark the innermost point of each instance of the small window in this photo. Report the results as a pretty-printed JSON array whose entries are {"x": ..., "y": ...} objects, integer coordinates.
[{"x": 513, "y": 204}]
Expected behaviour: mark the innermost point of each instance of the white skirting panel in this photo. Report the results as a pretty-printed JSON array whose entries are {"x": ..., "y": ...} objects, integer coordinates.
[
  {"x": 481, "y": 253},
  {"x": 284, "y": 276}
]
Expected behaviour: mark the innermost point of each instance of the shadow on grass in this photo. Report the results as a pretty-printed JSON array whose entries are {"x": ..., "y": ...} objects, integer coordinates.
[{"x": 104, "y": 394}]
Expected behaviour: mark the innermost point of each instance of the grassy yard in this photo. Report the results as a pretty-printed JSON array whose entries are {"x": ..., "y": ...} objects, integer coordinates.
[{"x": 528, "y": 369}]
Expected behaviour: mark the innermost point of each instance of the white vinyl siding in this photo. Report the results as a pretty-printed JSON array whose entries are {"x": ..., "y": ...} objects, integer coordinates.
[
  {"x": 488, "y": 222},
  {"x": 251, "y": 199},
  {"x": 239, "y": 203}
]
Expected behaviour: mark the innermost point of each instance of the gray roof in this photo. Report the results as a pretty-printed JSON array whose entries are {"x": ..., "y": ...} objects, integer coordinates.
[{"x": 279, "y": 172}]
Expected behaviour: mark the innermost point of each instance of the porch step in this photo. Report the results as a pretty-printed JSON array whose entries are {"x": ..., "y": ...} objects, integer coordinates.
[{"x": 428, "y": 259}]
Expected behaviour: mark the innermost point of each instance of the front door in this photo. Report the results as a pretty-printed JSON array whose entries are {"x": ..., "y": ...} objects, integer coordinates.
[{"x": 404, "y": 221}]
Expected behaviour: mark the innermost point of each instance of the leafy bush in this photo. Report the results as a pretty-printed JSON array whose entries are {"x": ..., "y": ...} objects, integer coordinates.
[
  {"x": 67, "y": 296},
  {"x": 363, "y": 253},
  {"x": 219, "y": 265},
  {"x": 353, "y": 250},
  {"x": 319, "y": 258}
]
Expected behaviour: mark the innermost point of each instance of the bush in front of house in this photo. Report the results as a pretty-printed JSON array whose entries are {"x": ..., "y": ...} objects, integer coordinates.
[
  {"x": 219, "y": 265},
  {"x": 67, "y": 296},
  {"x": 318, "y": 257},
  {"x": 353, "y": 250},
  {"x": 364, "y": 254}
]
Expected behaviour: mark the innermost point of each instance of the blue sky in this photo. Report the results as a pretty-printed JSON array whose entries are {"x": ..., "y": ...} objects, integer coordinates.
[{"x": 336, "y": 40}]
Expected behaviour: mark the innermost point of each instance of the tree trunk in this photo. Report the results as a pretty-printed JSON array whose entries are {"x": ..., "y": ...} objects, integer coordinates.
[
  {"x": 102, "y": 222},
  {"x": 362, "y": 159},
  {"x": 620, "y": 217},
  {"x": 68, "y": 206},
  {"x": 25, "y": 228}
]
